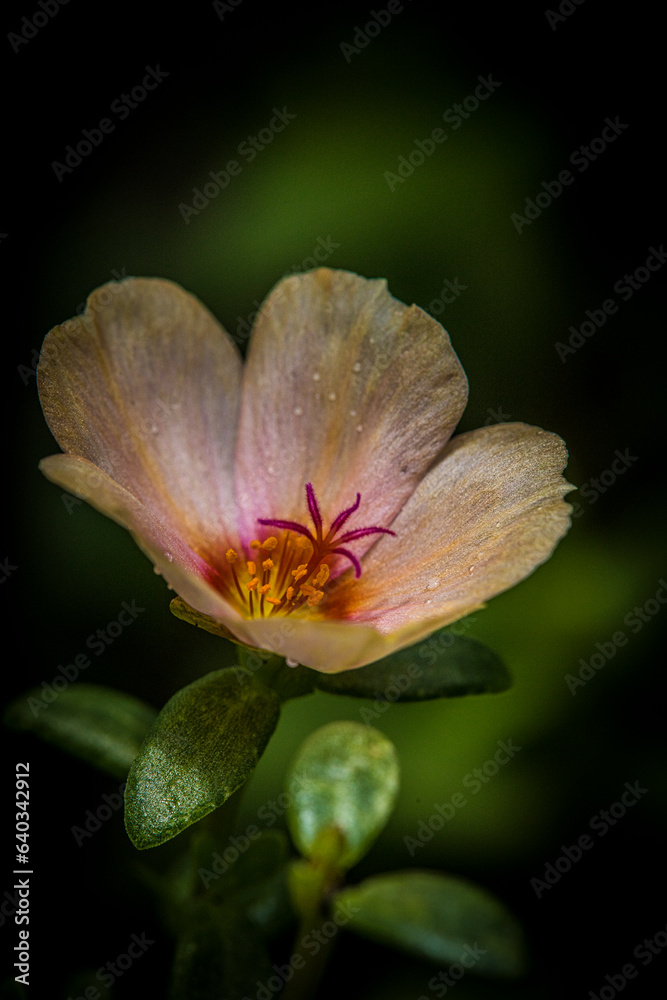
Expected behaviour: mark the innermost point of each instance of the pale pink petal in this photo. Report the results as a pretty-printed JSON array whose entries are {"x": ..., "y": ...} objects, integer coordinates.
[
  {"x": 483, "y": 518},
  {"x": 185, "y": 571},
  {"x": 146, "y": 386},
  {"x": 323, "y": 645},
  {"x": 345, "y": 388}
]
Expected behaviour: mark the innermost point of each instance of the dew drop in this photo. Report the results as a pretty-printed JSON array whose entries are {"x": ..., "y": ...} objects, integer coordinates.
[
  {"x": 270, "y": 469},
  {"x": 353, "y": 413},
  {"x": 316, "y": 376},
  {"x": 290, "y": 662},
  {"x": 356, "y": 367},
  {"x": 154, "y": 429},
  {"x": 360, "y": 428},
  {"x": 428, "y": 601},
  {"x": 331, "y": 396},
  {"x": 297, "y": 411},
  {"x": 170, "y": 558},
  {"x": 497, "y": 524},
  {"x": 471, "y": 569}
]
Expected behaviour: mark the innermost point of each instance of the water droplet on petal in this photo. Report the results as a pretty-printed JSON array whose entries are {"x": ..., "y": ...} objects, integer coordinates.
[
  {"x": 297, "y": 411},
  {"x": 316, "y": 376},
  {"x": 290, "y": 662},
  {"x": 170, "y": 558},
  {"x": 360, "y": 428},
  {"x": 353, "y": 413},
  {"x": 356, "y": 367},
  {"x": 497, "y": 524},
  {"x": 471, "y": 569},
  {"x": 428, "y": 601},
  {"x": 154, "y": 429},
  {"x": 331, "y": 396}
]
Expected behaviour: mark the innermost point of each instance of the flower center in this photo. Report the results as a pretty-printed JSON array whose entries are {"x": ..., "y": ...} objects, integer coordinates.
[{"x": 290, "y": 570}]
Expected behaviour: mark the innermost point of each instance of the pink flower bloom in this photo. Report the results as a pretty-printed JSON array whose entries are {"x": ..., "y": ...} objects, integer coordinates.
[{"x": 310, "y": 499}]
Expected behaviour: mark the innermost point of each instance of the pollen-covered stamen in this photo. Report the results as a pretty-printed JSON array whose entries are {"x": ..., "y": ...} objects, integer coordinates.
[{"x": 299, "y": 578}]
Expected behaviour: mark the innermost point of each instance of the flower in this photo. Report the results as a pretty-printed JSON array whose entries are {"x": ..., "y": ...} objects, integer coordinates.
[{"x": 310, "y": 500}]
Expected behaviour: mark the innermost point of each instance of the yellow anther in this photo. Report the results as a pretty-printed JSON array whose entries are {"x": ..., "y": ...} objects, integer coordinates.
[
  {"x": 265, "y": 589},
  {"x": 269, "y": 543},
  {"x": 289, "y": 593},
  {"x": 308, "y": 590},
  {"x": 231, "y": 556},
  {"x": 315, "y": 599},
  {"x": 274, "y": 600},
  {"x": 267, "y": 564},
  {"x": 256, "y": 544},
  {"x": 253, "y": 584},
  {"x": 252, "y": 569},
  {"x": 322, "y": 575},
  {"x": 299, "y": 572}
]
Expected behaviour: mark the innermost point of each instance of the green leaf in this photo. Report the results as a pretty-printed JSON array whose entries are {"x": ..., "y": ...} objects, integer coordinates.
[
  {"x": 205, "y": 743},
  {"x": 444, "y": 666},
  {"x": 439, "y": 917},
  {"x": 98, "y": 724},
  {"x": 344, "y": 776}
]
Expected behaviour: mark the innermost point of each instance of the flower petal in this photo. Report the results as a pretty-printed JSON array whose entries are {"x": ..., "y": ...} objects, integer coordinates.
[
  {"x": 483, "y": 518},
  {"x": 322, "y": 645},
  {"x": 345, "y": 388},
  {"x": 146, "y": 385},
  {"x": 185, "y": 570}
]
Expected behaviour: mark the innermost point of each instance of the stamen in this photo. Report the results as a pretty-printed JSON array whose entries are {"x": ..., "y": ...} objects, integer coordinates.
[{"x": 270, "y": 543}]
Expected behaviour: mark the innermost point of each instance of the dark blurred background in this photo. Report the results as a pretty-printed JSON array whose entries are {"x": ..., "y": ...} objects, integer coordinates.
[{"x": 360, "y": 100}]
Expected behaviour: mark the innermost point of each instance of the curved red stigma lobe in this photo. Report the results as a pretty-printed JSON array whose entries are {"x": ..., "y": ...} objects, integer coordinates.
[
  {"x": 353, "y": 559},
  {"x": 314, "y": 509},
  {"x": 343, "y": 516},
  {"x": 282, "y": 575},
  {"x": 362, "y": 532},
  {"x": 272, "y": 522}
]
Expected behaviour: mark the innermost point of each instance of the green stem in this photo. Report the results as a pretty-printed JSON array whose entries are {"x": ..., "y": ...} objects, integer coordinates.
[{"x": 306, "y": 979}]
